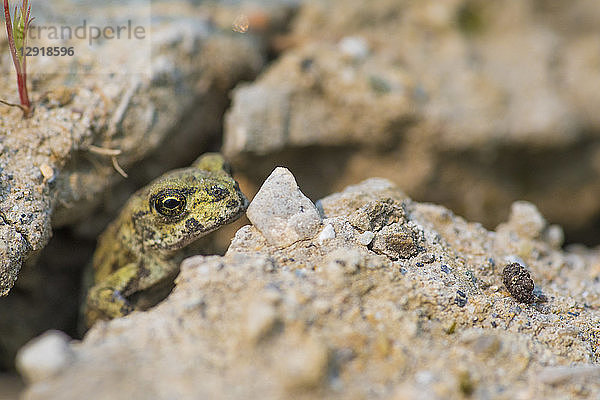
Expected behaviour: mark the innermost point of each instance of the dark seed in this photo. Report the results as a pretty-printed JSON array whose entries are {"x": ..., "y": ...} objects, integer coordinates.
[{"x": 518, "y": 282}]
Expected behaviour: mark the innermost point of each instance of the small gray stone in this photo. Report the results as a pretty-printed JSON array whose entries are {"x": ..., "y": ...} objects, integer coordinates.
[
  {"x": 44, "y": 356},
  {"x": 281, "y": 212},
  {"x": 327, "y": 233}
]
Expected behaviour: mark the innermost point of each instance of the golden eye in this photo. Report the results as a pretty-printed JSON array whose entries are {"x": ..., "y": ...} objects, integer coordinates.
[{"x": 169, "y": 202}]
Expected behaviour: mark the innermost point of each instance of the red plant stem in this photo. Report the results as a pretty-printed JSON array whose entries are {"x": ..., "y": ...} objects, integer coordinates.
[
  {"x": 21, "y": 74},
  {"x": 11, "y": 40},
  {"x": 23, "y": 94}
]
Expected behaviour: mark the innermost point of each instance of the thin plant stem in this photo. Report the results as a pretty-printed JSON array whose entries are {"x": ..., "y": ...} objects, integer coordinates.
[{"x": 19, "y": 62}]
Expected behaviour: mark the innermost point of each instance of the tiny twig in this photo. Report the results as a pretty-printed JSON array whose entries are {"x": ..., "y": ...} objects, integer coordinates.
[
  {"x": 118, "y": 168},
  {"x": 6, "y": 103},
  {"x": 113, "y": 153},
  {"x": 103, "y": 150}
]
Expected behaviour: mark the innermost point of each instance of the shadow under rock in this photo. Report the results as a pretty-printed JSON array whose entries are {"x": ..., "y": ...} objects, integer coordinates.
[{"x": 46, "y": 295}]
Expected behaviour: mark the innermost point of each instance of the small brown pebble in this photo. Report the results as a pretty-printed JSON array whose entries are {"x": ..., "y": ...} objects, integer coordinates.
[{"x": 518, "y": 282}]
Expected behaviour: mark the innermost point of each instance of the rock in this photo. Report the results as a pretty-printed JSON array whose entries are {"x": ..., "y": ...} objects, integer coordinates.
[
  {"x": 554, "y": 236},
  {"x": 562, "y": 374},
  {"x": 13, "y": 247},
  {"x": 333, "y": 319},
  {"x": 268, "y": 111},
  {"x": 365, "y": 195},
  {"x": 305, "y": 366},
  {"x": 261, "y": 319},
  {"x": 526, "y": 220},
  {"x": 396, "y": 241},
  {"x": 281, "y": 212},
  {"x": 45, "y": 357},
  {"x": 348, "y": 260},
  {"x": 375, "y": 215}
]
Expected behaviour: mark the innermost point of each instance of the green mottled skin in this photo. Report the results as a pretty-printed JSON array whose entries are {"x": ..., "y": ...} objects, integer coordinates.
[{"x": 139, "y": 249}]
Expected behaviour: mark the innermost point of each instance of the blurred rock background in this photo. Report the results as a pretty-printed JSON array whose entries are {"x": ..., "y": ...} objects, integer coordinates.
[{"x": 470, "y": 104}]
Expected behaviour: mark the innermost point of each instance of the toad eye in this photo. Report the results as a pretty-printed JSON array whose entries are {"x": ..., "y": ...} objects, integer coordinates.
[
  {"x": 170, "y": 203},
  {"x": 217, "y": 192}
]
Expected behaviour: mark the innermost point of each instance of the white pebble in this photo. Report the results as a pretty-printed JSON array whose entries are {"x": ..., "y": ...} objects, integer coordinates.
[
  {"x": 44, "y": 356},
  {"x": 327, "y": 233},
  {"x": 355, "y": 47},
  {"x": 366, "y": 238}
]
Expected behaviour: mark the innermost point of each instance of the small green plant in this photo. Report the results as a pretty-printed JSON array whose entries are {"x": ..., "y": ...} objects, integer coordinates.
[{"x": 16, "y": 30}]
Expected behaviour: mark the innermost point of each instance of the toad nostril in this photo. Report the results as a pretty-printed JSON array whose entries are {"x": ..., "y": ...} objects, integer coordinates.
[
  {"x": 217, "y": 192},
  {"x": 232, "y": 203}
]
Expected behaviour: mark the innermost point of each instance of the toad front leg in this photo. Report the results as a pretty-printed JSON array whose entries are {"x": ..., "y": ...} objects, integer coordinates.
[{"x": 106, "y": 299}]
